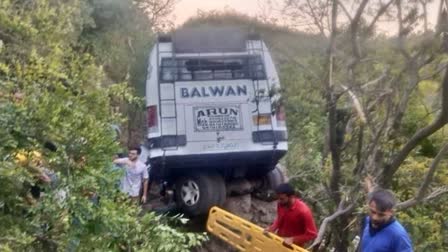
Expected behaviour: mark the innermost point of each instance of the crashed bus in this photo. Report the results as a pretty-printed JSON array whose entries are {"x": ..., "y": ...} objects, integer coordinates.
[{"x": 213, "y": 114}]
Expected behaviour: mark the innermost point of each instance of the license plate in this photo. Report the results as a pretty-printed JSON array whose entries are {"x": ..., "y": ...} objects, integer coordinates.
[{"x": 217, "y": 118}]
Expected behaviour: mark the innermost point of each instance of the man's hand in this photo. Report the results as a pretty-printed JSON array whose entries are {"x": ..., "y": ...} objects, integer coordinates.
[
  {"x": 369, "y": 185},
  {"x": 143, "y": 199},
  {"x": 266, "y": 231},
  {"x": 288, "y": 240},
  {"x": 45, "y": 178}
]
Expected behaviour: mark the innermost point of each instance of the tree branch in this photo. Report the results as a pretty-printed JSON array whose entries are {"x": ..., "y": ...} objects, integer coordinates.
[
  {"x": 389, "y": 170},
  {"x": 436, "y": 193},
  {"x": 442, "y": 120},
  {"x": 156, "y": 9},
  {"x": 383, "y": 75},
  {"x": 345, "y": 10},
  {"x": 380, "y": 12},
  {"x": 430, "y": 175},
  {"x": 419, "y": 197},
  {"x": 359, "y": 12},
  {"x": 323, "y": 227},
  {"x": 317, "y": 21},
  {"x": 410, "y": 71},
  {"x": 354, "y": 25},
  {"x": 425, "y": 15},
  {"x": 331, "y": 106},
  {"x": 401, "y": 34},
  {"x": 440, "y": 191},
  {"x": 356, "y": 104},
  {"x": 435, "y": 73},
  {"x": 359, "y": 150},
  {"x": 374, "y": 145}
]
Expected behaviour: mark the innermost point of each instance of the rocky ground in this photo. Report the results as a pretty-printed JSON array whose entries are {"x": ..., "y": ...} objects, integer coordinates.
[{"x": 246, "y": 206}]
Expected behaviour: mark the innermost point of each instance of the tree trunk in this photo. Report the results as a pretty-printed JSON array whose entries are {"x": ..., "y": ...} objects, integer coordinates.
[{"x": 341, "y": 234}]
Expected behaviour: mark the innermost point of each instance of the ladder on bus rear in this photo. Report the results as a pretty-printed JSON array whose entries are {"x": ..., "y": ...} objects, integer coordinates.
[
  {"x": 255, "y": 83},
  {"x": 167, "y": 98}
]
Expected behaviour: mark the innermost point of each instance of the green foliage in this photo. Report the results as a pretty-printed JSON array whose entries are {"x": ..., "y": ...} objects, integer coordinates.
[
  {"x": 52, "y": 90},
  {"x": 306, "y": 123},
  {"x": 120, "y": 37},
  {"x": 426, "y": 222}
]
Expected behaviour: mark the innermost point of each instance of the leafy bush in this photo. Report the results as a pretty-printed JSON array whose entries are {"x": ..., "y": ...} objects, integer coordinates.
[{"x": 52, "y": 90}]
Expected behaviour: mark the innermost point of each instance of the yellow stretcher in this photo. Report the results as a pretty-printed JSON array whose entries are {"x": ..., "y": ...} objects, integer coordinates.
[{"x": 244, "y": 235}]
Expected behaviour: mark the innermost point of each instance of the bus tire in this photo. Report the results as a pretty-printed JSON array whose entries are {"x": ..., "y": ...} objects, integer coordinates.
[
  {"x": 269, "y": 183},
  {"x": 196, "y": 193},
  {"x": 220, "y": 189},
  {"x": 274, "y": 178}
]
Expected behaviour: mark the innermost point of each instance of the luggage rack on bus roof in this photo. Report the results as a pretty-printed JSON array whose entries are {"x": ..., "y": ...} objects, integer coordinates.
[{"x": 212, "y": 68}]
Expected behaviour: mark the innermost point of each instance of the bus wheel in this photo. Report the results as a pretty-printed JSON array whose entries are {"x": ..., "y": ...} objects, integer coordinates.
[
  {"x": 196, "y": 193},
  {"x": 220, "y": 189},
  {"x": 274, "y": 178},
  {"x": 270, "y": 181}
]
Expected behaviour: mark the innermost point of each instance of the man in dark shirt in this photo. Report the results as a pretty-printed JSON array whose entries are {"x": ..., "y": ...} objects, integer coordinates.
[{"x": 294, "y": 220}]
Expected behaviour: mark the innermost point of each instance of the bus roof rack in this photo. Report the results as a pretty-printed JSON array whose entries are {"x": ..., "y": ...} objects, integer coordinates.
[
  {"x": 206, "y": 38},
  {"x": 164, "y": 38},
  {"x": 254, "y": 36}
]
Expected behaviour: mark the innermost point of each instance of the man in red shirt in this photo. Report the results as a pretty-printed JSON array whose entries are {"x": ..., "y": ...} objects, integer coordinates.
[{"x": 294, "y": 220}]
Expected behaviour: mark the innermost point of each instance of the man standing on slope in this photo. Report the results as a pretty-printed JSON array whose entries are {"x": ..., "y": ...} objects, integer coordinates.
[
  {"x": 294, "y": 220},
  {"x": 136, "y": 174},
  {"x": 381, "y": 231}
]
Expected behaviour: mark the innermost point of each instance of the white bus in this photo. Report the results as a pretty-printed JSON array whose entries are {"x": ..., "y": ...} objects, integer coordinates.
[{"x": 213, "y": 113}]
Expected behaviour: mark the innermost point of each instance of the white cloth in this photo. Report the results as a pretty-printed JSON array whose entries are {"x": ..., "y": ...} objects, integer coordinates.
[{"x": 135, "y": 172}]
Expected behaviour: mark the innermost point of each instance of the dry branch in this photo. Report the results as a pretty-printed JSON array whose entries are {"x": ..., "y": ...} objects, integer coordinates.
[
  {"x": 323, "y": 227},
  {"x": 420, "y": 195},
  {"x": 356, "y": 104}
]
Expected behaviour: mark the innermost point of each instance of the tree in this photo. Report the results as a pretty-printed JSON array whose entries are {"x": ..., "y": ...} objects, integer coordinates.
[
  {"x": 158, "y": 12},
  {"x": 53, "y": 90},
  {"x": 371, "y": 85},
  {"x": 120, "y": 35}
]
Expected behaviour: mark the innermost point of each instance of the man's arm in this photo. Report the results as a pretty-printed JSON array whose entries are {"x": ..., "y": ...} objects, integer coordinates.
[
  {"x": 310, "y": 229},
  {"x": 145, "y": 184},
  {"x": 369, "y": 184},
  {"x": 403, "y": 244},
  {"x": 145, "y": 190},
  {"x": 120, "y": 161},
  {"x": 274, "y": 226}
]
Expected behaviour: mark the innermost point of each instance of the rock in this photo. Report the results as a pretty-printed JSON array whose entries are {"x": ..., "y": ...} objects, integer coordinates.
[
  {"x": 239, "y": 205},
  {"x": 239, "y": 187},
  {"x": 263, "y": 213}
]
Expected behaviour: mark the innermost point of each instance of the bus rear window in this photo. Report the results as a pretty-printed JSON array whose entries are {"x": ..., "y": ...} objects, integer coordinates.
[{"x": 197, "y": 69}]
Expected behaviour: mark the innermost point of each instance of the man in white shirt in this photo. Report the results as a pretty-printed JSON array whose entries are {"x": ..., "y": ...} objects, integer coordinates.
[{"x": 135, "y": 174}]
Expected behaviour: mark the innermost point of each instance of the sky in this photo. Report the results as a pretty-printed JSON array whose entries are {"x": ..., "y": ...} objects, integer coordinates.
[{"x": 188, "y": 8}]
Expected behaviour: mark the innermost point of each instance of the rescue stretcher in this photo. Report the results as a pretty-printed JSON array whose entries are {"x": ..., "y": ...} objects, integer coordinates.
[{"x": 244, "y": 235}]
